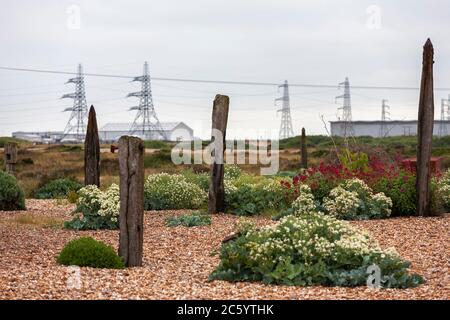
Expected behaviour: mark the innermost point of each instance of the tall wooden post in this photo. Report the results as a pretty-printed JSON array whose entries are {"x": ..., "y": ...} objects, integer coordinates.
[
  {"x": 304, "y": 152},
  {"x": 131, "y": 219},
  {"x": 425, "y": 132},
  {"x": 216, "y": 202},
  {"x": 10, "y": 157},
  {"x": 92, "y": 151}
]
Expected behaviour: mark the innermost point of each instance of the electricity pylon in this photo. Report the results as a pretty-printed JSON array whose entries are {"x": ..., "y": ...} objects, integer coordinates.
[
  {"x": 346, "y": 109},
  {"x": 384, "y": 116},
  {"x": 286, "y": 130},
  {"x": 78, "y": 118},
  {"x": 146, "y": 122},
  {"x": 445, "y": 115}
]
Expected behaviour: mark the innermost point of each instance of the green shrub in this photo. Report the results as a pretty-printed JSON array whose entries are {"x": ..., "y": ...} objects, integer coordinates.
[
  {"x": 96, "y": 209},
  {"x": 11, "y": 195},
  {"x": 88, "y": 252},
  {"x": 189, "y": 220},
  {"x": 172, "y": 191},
  {"x": 312, "y": 249},
  {"x": 200, "y": 179},
  {"x": 402, "y": 191},
  {"x": 243, "y": 198},
  {"x": 57, "y": 188}
]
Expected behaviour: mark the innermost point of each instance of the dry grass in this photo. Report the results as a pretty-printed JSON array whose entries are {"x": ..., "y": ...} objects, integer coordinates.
[{"x": 32, "y": 220}]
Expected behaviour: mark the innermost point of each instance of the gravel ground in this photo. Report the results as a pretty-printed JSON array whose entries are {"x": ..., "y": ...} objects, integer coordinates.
[{"x": 177, "y": 261}]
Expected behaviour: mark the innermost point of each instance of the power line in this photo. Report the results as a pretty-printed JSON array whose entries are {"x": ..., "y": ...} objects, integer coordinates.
[{"x": 252, "y": 83}]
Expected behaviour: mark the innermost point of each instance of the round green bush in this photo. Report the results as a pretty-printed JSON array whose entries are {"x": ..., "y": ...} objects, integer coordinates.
[
  {"x": 11, "y": 195},
  {"x": 57, "y": 188},
  {"x": 88, "y": 252}
]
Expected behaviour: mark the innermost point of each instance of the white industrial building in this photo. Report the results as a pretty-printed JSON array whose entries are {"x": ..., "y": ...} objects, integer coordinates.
[
  {"x": 387, "y": 128},
  {"x": 111, "y": 132},
  {"x": 175, "y": 131}
]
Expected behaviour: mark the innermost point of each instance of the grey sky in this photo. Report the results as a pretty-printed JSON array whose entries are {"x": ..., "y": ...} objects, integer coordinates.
[{"x": 267, "y": 41}]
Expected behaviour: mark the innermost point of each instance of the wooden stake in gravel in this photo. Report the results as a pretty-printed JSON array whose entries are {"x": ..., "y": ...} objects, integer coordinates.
[
  {"x": 10, "y": 157},
  {"x": 92, "y": 151},
  {"x": 131, "y": 219},
  {"x": 304, "y": 155},
  {"x": 425, "y": 132},
  {"x": 216, "y": 202}
]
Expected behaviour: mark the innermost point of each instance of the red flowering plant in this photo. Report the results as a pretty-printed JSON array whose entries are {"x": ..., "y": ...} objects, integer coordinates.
[{"x": 323, "y": 178}]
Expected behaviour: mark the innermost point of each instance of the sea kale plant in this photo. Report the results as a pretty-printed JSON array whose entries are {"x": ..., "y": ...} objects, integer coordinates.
[
  {"x": 354, "y": 200},
  {"x": 310, "y": 249},
  {"x": 96, "y": 209},
  {"x": 172, "y": 191}
]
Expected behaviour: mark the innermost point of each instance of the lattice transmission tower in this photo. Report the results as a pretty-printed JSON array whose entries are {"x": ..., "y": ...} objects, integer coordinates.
[
  {"x": 445, "y": 115},
  {"x": 146, "y": 122},
  {"x": 76, "y": 126},
  {"x": 286, "y": 130},
  {"x": 346, "y": 109},
  {"x": 385, "y": 115}
]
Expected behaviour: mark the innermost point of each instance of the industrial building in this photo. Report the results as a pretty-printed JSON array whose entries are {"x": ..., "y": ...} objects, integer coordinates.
[
  {"x": 386, "y": 128},
  {"x": 174, "y": 131},
  {"x": 111, "y": 132}
]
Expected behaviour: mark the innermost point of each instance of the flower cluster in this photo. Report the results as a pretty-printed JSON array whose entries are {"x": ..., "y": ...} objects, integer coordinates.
[
  {"x": 353, "y": 199},
  {"x": 96, "y": 209},
  {"x": 308, "y": 250},
  {"x": 305, "y": 203},
  {"x": 231, "y": 171},
  {"x": 172, "y": 191},
  {"x": 443, "y": 189}
]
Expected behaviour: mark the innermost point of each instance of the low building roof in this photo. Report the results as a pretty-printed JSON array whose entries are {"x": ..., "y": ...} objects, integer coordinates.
[{"x": 125, "y": 126}]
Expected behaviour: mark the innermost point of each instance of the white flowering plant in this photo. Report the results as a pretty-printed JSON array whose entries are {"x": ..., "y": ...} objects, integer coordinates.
[
  {"x": 354, "y": 200},
  {"x": 312, "y": 249},
  {"x": 96, "y": 209},
  {"x": 172, "y": 191}
]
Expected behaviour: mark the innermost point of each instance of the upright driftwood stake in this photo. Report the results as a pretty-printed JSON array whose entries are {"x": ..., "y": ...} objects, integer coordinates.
[
  {"x": 131, "y": 219},
  {"x": 10, "y": 157},
  {"x": 216, "y": 201},
  {"x": 425, "y": 132},
  {"x": 92, "y": 151},
  {"x": 304, "y": 155}
]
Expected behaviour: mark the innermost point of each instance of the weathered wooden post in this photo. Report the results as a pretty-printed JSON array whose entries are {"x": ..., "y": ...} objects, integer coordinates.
[
  {"x": 131, "y": 219},
  {"x": 10, "y": 157},
  {"x": 304, "y": 152},
  {"x": 425, "y": 132},
  {"x": 92, "y": 151},
  {"x": 216, "y": 202}
]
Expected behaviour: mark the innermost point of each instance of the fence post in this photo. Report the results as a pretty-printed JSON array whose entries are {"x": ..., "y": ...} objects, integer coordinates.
[
  {"x": 425, "y": 132},
  {"x": 304, "y": 152},
  {"x": 10, "y": 157},
  {"x": 92, "y": 151},
  {"x": 216, "y": 201},
  {"x": 131, "y": 219}
]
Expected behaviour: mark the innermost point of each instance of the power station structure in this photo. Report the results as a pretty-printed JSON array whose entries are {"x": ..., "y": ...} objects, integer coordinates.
[
  {"x": 445, "y": 115},
  {"x": 346, "y": 110},
  {"x": 146, "y": 123},
  {"x": 76, "y": 126},
  {"x": 384, "y": 117},
  {"x": 286, "y": 130}
]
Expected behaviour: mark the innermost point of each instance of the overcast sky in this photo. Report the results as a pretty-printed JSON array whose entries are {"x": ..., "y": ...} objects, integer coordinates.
[{"x": 374, "y": 43}]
